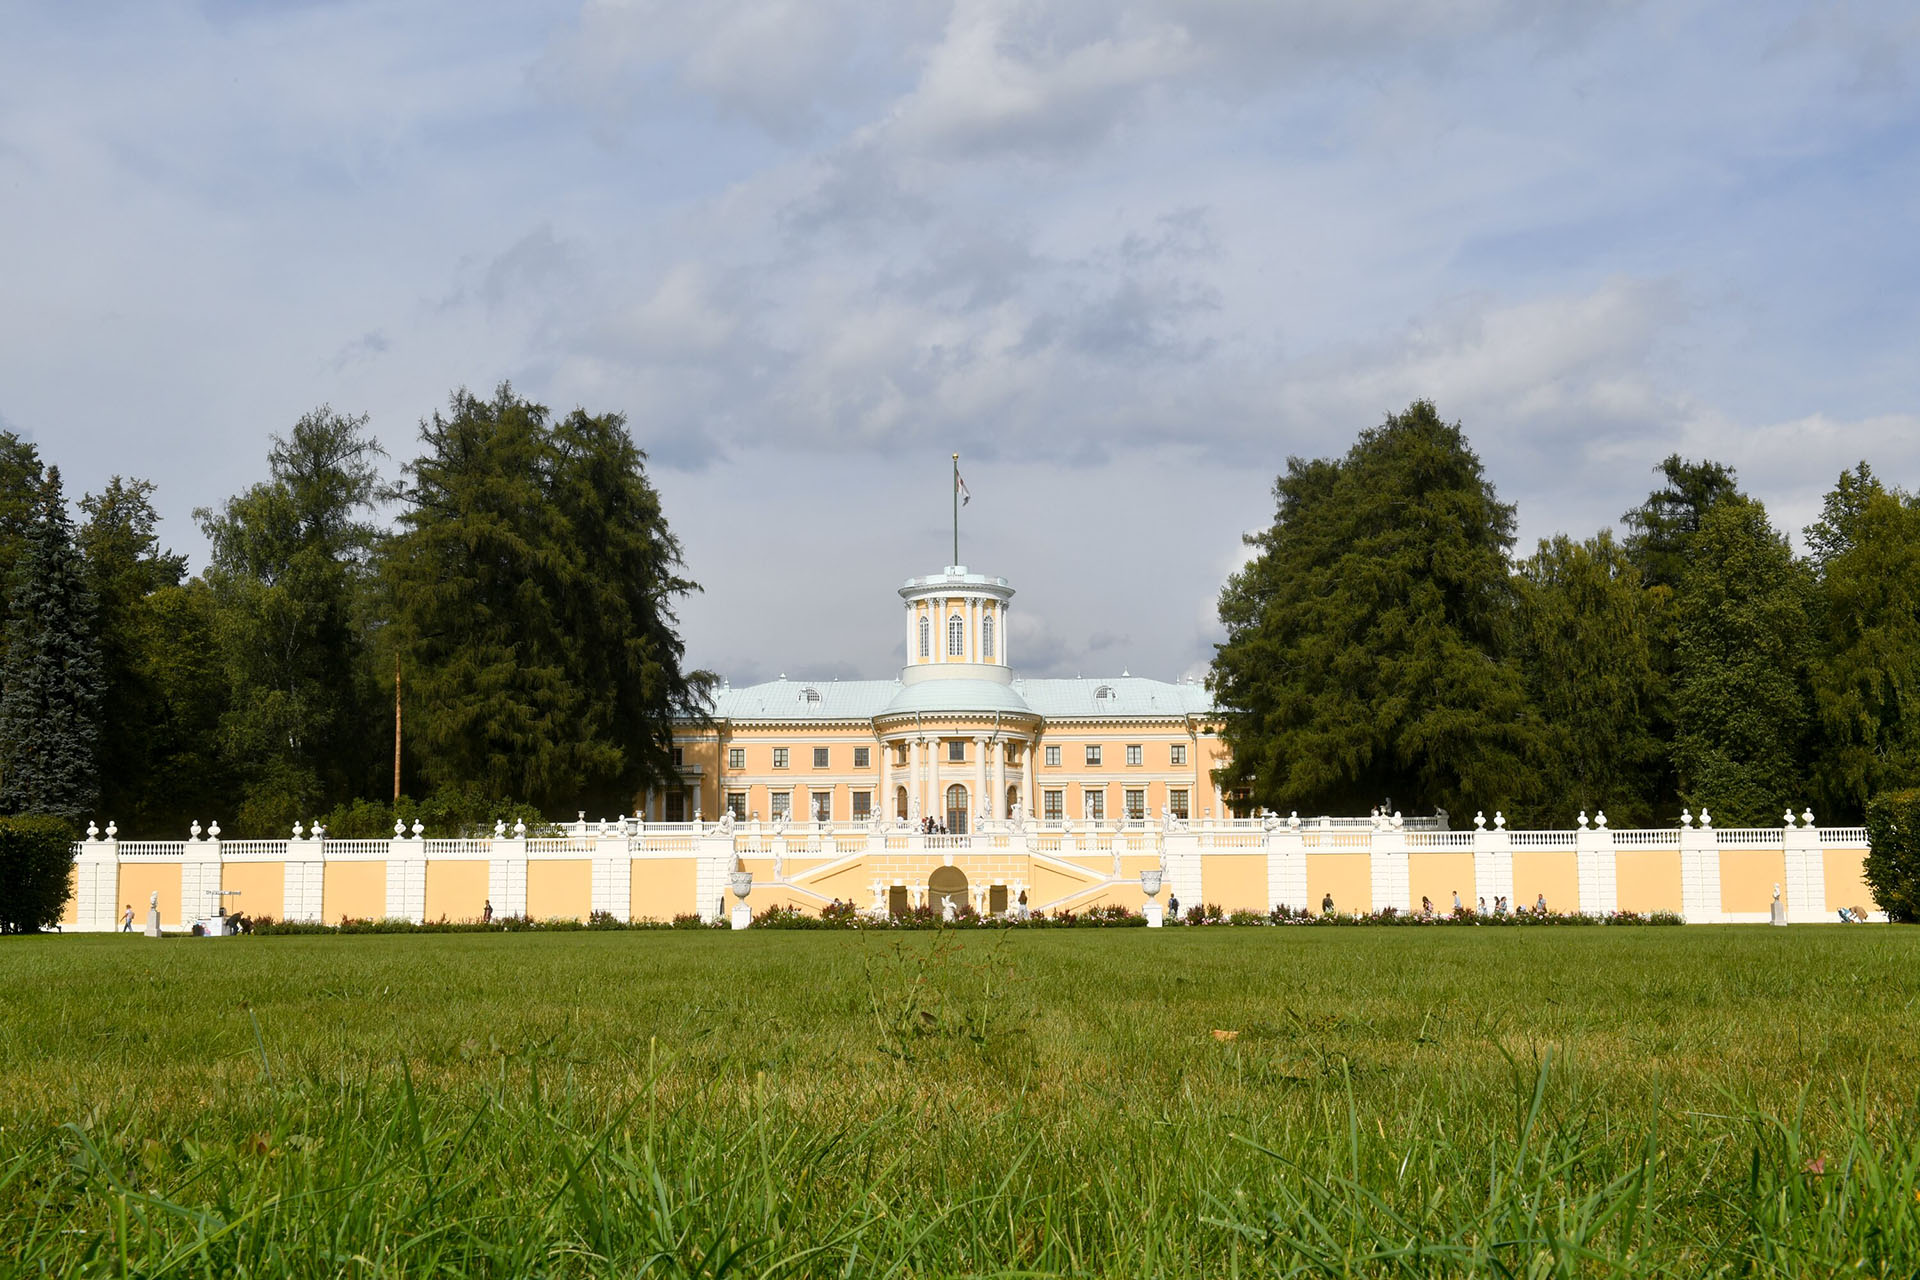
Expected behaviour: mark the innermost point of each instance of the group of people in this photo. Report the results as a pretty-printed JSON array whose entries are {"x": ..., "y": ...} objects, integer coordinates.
[
  {"x": 928, "y": 827},
  {"x": 1500, "y": 907}
]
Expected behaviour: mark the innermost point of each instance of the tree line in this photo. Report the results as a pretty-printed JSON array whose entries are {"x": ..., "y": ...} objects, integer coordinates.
[
  {"x": 520, "y": 602},
  {"x": 1385, "y": 643}
]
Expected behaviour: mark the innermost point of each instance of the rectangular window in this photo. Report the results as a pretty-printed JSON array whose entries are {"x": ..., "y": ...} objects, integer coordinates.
[
  {"x": 676, "y": 806},
  {"x": 1177, "y": 803},
  {"x": 1053, "y": 757},
  {"x": 822, "y": 806},
  {"x": 957, "y": 749},
  {"x": 863, "y": 757},
  {"x": 819, "y": 757},
  {"x": 900, "y": 756},
  {"x": 1056, "y": 805},
  {"x": 1136, "y": 804},
  {"x": 1133, "y": 753},
  {"x": 1179, "y": 753},
  {"x": 737, "y": 805},
  {"x": 736, "y": 758},
  {"x": 679, "y": 757},
  {"x": 1093, "y": 755},
  {"x": 779, "y": 757},
  {"x": 863, "y": 805},
  {"x": 1095, "y": 803},
  {"x": 781, "y": 803}
]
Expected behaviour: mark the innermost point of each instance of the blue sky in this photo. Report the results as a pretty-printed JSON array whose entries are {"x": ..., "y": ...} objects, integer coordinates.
[{"x": 1124, "y": 256}]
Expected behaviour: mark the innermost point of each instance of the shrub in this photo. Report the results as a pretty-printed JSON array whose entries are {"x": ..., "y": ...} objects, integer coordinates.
[
  {"x": 1893, "y": 854},
  {"x": 36, "y": 872}
]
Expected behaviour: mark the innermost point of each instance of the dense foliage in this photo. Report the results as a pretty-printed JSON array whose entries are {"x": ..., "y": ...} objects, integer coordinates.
[
  {"x": 1382, "y": 645},
  {"x": 1893, "y": 858},
  {"x": 36, "y": 865},
  {"x": 528, "y": 589}
]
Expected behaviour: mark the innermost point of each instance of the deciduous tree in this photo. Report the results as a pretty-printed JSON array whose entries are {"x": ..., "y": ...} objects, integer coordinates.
[{"x": 1369, "y": 648}]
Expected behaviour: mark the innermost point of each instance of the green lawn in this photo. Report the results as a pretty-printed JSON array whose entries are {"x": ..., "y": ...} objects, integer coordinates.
[{"x": 1555, "y": 1101}]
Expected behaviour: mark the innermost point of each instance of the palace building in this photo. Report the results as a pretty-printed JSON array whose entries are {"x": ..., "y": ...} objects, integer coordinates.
[{"x": 957, "y": 737}]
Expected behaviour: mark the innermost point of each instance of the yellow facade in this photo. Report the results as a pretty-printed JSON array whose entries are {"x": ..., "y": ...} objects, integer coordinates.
[
  {"x": 140, "y": 880},
  {"x": 1348, "y": 877},
  {"x": 456, "y": 889},
  {"x": 560, "y": 889},
  {"x": 354, "y": 891},
  {"x": 1439, "y": 876},
  {"x": 663, "y": 888},
  {"x": 262, "y": 888},
  {"x": 1234, "y": 881},
  {"x": 1551, "y": 872},
  {"x": 1647, "y": 879},
  {"x": 1748, "y": 878},
  {"x": 1846, "y": 880}
]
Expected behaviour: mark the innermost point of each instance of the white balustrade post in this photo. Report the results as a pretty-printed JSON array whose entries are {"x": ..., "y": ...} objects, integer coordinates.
[
  {"x": 1806, "y": 887},
  {"x": 1700, "y": 873},
  {"x": 96, "y": 881},
  {"x": 1286, "y": 867},
  {"x": 1594, "y": 865},
  {"x": 613, "y": 873},
  {"x": 1388, "y": 868},
  {"x": 507, "y": 872}
]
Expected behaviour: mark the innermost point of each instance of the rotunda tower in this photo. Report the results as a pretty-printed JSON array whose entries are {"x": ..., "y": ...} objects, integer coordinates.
[{"x": 956, "y": 627}]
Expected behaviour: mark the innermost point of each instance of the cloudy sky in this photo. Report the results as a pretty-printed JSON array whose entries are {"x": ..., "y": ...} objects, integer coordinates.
[{"x": 1125, "y": 256}]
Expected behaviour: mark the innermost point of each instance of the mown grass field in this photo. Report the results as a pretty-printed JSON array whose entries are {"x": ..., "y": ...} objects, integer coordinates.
[{"x": 1574, "y": 1101}]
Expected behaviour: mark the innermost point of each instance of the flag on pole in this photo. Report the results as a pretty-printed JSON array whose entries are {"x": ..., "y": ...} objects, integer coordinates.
[{"x": 960, "y": 487}]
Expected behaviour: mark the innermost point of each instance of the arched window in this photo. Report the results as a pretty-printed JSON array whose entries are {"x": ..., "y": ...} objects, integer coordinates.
[
  {"x": 956, "y": 637},
  {"x": 1104, "y": 692},
  {"x": 957, "y": 809},
  {"x": 986, "y": 635},
  {"x": 810, "y": 694},
  {"x": 926, "y": 636},
  {"x": 900, "y": 803}
]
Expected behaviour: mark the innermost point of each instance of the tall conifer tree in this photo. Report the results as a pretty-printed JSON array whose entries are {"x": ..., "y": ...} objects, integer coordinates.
[{"x": 50, "y": 680}]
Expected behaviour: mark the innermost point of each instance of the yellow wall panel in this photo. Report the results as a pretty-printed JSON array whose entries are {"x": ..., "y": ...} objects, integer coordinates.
[
  {"x": 1050, "y": 885},
  {"x": 1438, "y": 876},
  {"x": 70, "y": 909},
  {"x": 139, "y": 880},
  {"x": 262, "y": 886},
  {"x": 1234, "y": 881},
  {"x": 354, "y": 890},
  {"x": 1846, "y": 881},
  {"x": 1555, "y": 873},
  {"x": 663, "y": 888},
  {"x": 560, "y": 890},
  {"x": 1647, "y": 879},
  {"x": 1747, "y": 878},
  {"x": 456, "y": 888},
  {"x": 1347, "y": 876}
]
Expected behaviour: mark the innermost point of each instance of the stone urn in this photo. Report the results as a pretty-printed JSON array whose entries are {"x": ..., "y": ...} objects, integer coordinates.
[
  {"x": 1150, "y": 882},
  {"x": 742, "y": 883}
]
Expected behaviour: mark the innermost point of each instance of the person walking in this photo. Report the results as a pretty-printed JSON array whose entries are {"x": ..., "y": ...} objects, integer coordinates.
[
  {"x": 1483, "y": 904},
  {"x": 1426, "y": 905},
  {"x": 486, "y": 912},
  {"x": 1456, "y": 902},
  {"x": 126, "y": 921}
]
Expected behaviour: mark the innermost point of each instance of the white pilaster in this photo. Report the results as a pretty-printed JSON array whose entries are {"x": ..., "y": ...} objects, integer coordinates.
[
  {"x": 407, "y": 880},
  {"x": 1599, "y": 880},
  {"x": 1806, "y": 886},
  {"x": 1699, "y": 876},
  {"x": 999, "y": 806},
  {"x": 977, "y": 800},
  {"x": 304, "y": 888},
  {"x": 96, "y": 879},
  {"x": 613, "y": 876},
  {"x": 199, "y": 881},
  {"x": 1286, "y": 869},
  {"x": 507, "y": 875},
  {"x": 1387, "y": 859}
]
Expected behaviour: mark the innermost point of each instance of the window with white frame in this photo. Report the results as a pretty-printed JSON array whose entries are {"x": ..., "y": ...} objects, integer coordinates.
[
  {"x": 956, "y": 637},
  {"x": 1133, "y": 753},
  {"x": 819, "y": 757},
  {"x": 900, "y": 755},
  {"x": 1136, "y": 803},
  {"x": 822, "y": 805},
  {"x": 736, "y": 757},
  {"x": 1094, "y": 801},
  {"x": 863, "y": 805},
  {"x": 1179, "y": 753},
  {"x": 863, "y": 757},
  {"x": 737, "y": 805},
  {"x": 779, "y": 757},
  {"x": 926, "y": 636},
  {"x": 1054, "y": 805},
  {"x": 957, "y": 750},
  {"x": 986, "y": 635},
  {"x": 1093, "y": 755},
  {"x": 1177, "y": 802},
  {"x": 1053, "y": 757},
  {"x": 780, "y": 803}
]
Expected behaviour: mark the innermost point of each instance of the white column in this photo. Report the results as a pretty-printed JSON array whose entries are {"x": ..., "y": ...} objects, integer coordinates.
[
  {"x": 304, "y": 881},
  {"x": 1806, "y": 886},
  {"x": 1029, "y": 798},
  {"x": 406, "y": 869},
  {"x": 999, "y": 806},
  {"x": 199, "y": 881},
  {"x": 612, "y": 885},
  {"x": 1000, "y": 653},
  {"x": 917, "y": 795},
  {"x": 1387, "y": 856},
  {"x": 1286, "y": 869},
  {"x": 883, "y": 802},
  {"x": 979, "y": 780},
  {"x": 507, "y": 876},
  {"x": 1599, "y": 882}
]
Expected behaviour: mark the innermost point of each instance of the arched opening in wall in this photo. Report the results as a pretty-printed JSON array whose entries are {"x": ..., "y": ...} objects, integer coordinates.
[
  {"x": 926, "y": 636},
  {"x": 957, "y": 809},
  {"x": 956, "y": 637},
  {"x": 986, "y": 636},
  {"x": 947, "y": 884},
  {"x": 900, "y": 803},
  {"x": 1013, "y": 801}
]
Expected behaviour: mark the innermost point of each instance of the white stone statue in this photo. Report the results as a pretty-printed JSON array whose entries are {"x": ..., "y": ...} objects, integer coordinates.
[
  {"x": 726, "y": 823},
  {"x": 1270, "y": 821}
]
